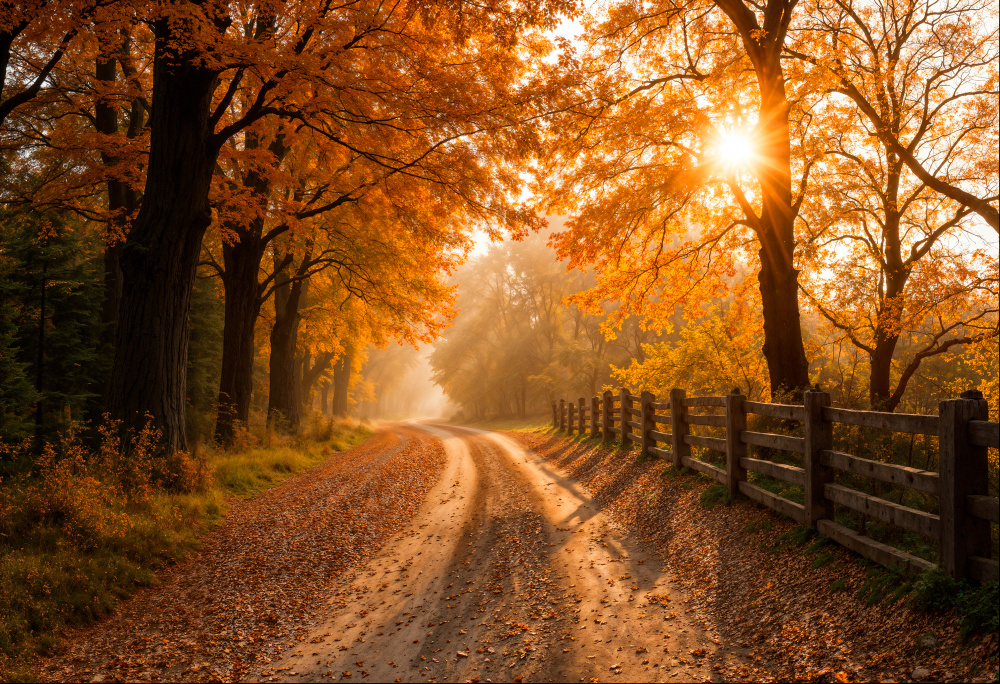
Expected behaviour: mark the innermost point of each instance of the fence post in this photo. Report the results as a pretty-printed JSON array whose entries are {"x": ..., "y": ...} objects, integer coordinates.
[
  {"x": 562, "y": 414},
  {"x": 624, "y": 404},
  {"x": 595, "y": 418},
  {"x": 679, "y": 426},
  {"x": 570, "y": 409},
  {"x": 581, "y": 415},
  {"x": 606, "y": 433},
  {"x": 646, "y": 400},
  {"x": 963, "y": 471},
  {"x": 819, "y": 437},
  {"x": 736, "y": 423}
]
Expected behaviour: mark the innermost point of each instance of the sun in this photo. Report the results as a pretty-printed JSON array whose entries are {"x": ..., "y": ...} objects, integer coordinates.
[{"x": 734, "y": 150}]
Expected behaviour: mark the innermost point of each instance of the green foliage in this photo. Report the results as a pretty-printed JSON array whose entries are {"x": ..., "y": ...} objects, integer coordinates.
[
  {"x": 17, "y": 394},
  {"x": 714, "y": 495},
  {"x": 50, "y": 353},
  {"x": 204, "y": 358},
  {"x": 759, "y": 525},
  {"x": 978, "y": 605},
  {"x": 839, "y": 585},
  {"x": 822, "y": 559},
  {"x": 881, "y": 584}
]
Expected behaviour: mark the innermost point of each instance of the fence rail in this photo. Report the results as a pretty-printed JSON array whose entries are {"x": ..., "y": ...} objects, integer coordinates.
[{"x": 966, "y": 510}]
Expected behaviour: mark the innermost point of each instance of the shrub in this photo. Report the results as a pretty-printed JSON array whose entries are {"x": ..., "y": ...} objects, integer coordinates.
[{"x": 978, "y": 605}]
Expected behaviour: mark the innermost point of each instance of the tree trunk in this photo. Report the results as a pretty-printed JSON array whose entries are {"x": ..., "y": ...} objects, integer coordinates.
[
  {"x": 324, "y": 395},
  {"x": 788, "y": 368},
  {"x": 891, "y": 300},
  {"x": 312, "y": 372},
  {"x": 284, "y": 397},
  {"x": 122, "y": 201},
  {"x": 242, "y": 307},
  {"x": 158, "y": 262},
  {"x": 341, "y": 384},
  {"x": 241, "y": 263}
]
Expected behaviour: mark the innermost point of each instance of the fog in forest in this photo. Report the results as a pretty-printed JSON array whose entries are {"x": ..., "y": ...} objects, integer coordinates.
[{"x": 402, "y": 387}]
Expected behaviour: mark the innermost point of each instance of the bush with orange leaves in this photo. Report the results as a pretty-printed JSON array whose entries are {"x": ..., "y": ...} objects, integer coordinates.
[{"x": 84, "y": 525}]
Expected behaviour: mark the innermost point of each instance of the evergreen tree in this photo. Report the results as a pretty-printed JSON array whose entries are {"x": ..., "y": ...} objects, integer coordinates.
[{"x": 51, "y": 317}]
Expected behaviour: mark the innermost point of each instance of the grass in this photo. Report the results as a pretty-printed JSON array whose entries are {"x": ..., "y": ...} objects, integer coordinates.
[
  {"x": 978, "y": 605},
  {"x": 713, "y": 495},
  {"x": 86, "y": 528}
]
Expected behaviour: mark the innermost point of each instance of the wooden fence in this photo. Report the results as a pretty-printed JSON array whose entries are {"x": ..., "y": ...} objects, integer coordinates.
[{"x": 966, "y": 510}]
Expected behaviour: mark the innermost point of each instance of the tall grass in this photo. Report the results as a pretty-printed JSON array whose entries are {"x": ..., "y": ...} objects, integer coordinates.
[{"x": 81, "y": 528}]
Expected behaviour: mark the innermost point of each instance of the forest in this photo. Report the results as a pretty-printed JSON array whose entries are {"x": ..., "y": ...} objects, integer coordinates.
[
  {"x": 209, "y": 212},
  {"x": 229, "y": 226}
]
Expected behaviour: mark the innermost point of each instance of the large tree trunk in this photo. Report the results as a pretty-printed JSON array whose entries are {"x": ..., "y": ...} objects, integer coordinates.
[
  {"x": 788, "y": 368},
  {"x": 122, "y": 201},
  {"x": 341, "y": 384},
  {"x": 242, "y": 307},
  {"x": 284, "y": 397},
  {"x": 243, "y": 295},
  {"x": 161, "y": 253}
]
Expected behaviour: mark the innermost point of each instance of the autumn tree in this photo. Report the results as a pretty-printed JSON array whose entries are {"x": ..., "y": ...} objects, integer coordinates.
[
  {"x": 901, "y": 256},
  {"x": 80, "y": 136},
  {"x": 923, "y": 77},
  {"x": 675, "y": 155},
  {"x": 34, "y": 37},
  {"x": 709, "y": 354},
  {"x": 308, "y": 71}
]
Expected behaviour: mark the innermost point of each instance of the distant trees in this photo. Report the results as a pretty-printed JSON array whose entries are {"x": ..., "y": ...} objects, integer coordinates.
[{"x": 516, "y": 344}]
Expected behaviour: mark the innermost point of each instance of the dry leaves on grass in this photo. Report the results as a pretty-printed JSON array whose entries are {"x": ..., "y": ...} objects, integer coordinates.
[
  {"x": 783, "y": 615},
  {"x": 261, "y": 577}
]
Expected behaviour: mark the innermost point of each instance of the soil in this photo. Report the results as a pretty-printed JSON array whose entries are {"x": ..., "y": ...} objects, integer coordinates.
[{"x": 510, "y": 572}]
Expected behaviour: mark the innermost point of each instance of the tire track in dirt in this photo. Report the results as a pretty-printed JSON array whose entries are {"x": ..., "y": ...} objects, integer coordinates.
[{"x": 510, "y": 572}]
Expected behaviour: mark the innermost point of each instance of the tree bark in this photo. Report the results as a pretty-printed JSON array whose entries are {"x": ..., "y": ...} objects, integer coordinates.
[
  {"x": 341, "y": 384},
  {"x": 161, "y": 252},
  {"x": 242, "y": 307},
  {"x": 787, "y": 366},
  {"x": 284, "y": 396},
  {"x": 244, "y": 297},
  {"x": 891, "y": 299},
  {"x": 324, "y": 395},
  {"x": 311, "y": 372}
]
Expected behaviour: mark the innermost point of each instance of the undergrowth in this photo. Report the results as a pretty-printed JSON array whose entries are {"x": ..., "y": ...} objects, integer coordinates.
[
  {"x": 82, "y": 528},
  {"x": 978, "y": 605},
  {"x": 713, "y": 495}
]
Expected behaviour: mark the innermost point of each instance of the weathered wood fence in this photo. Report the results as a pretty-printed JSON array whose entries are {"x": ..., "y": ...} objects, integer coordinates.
[{"x": 662, "y": 429}]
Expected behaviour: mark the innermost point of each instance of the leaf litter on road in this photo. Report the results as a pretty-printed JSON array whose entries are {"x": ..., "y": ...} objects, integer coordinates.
[
  {"x": 262, "y": 576},
  {"x": 778, "y": 616}
]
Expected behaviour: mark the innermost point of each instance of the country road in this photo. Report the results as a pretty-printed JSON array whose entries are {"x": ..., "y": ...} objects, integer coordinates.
[
  {"x": 440, "y": 553},
  {"x": 508, "y": 572}
]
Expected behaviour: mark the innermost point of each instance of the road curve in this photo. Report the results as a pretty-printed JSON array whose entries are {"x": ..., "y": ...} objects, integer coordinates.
[{"x": 509, "y": 572}]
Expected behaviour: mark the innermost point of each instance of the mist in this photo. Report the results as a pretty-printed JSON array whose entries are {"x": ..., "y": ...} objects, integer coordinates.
[{"x": 401, "y": 386}]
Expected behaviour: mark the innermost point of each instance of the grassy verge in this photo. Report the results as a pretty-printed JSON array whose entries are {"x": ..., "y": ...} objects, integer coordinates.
[{"x": 86, "y": 528}]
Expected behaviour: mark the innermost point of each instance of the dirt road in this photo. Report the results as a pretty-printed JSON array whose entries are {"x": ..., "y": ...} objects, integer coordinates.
[{"x": 508, "y": 572}]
